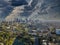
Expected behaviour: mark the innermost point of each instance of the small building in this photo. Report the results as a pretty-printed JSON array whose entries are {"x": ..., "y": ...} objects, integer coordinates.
[
  {"x": 33, "y": 32},
  {"x": 0, "y": 28},
  {"x": 1, "y": 43},
  {"x": 57, "y": 31}
]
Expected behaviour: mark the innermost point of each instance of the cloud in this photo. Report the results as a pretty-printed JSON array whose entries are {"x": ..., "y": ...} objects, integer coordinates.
[
  {"x": 48, "y": 10},
  {"x": 15, "y": 13},
  {"x": 5, "y": 9},
  {"x": 38, "y": 9}
]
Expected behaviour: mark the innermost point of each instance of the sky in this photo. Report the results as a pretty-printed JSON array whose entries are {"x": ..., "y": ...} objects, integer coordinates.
[{"x": 34, "y": 10}]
